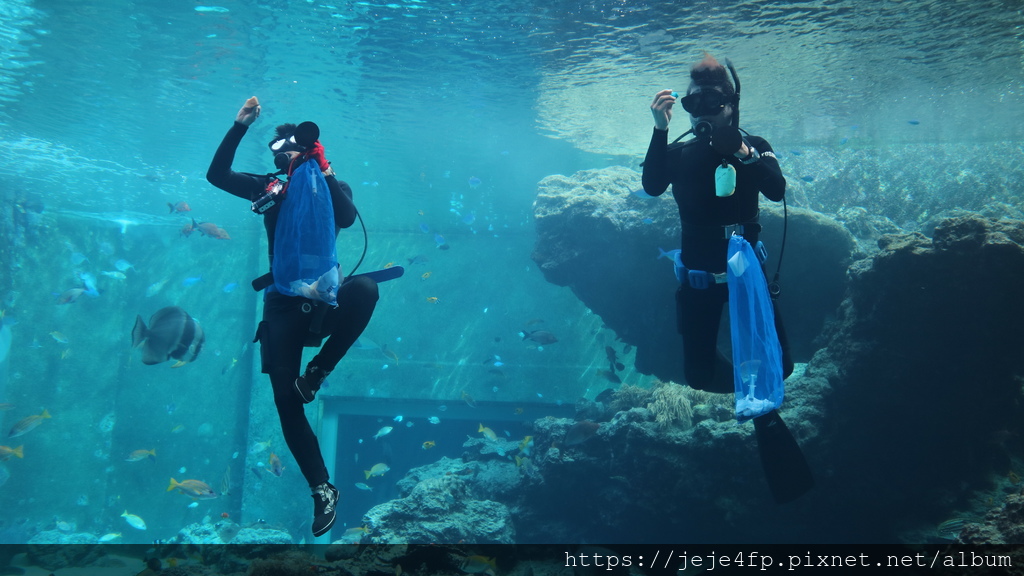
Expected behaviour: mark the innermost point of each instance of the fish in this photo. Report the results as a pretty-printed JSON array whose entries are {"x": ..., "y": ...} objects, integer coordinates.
[
  {"x": 110, "y": 537},
  {"x": 134, "y": 521},
  {"x": 115, "y": 274},
  {"x": 230, "y": 287},
  {"x": 425, "y": 275},
  {"x": 913, "y": 122},
  {"x": 225, "y": 482},
  {"x": 186, "y": 230},
  {"x": 479, "y": 565},
  {"x": 440, "y": 241},
  {"x": 384, "y": 431},
  {"x": 70, "y": 295},
  {"x": 210, "y": 229},
  {"x": 191, "y": 281},
  {"x": 155, "y": 287},
  {"x": 426, "y": 445},
  {"x": 172, "y": 333},
  {"x": 433, "y": 299},
  {"x": 474, "y": 182},
  {"x": 362, "y": 486},
  {"x": 141, "y": 454},
  {"x": 808, "y": 178},
  {"x": 434, "y": 420},
  {"x": 376, "y": 470},
  {"x": 195, "y": 489},
  {"x": 541, "y": 337},
  {"x": 609, "y": 376},
  {"x": 950, "y": 529},
  {"x": 468, "y": 399},
  {"x": 424, "y": 228},
  {"x": 418, "y": 259},
  {"x": 123, "y": 265},
  {"x": 59, "y": 337},
  {"x": 27, "y": 424},
  {"x": 7, "y": 452},
  {"x": 526, "y": 445},
  {"x": 487, "y": 432},
  {"x": 5, "y": 406},
  {"x": 580, "y": 432},
  {"x": 179, "y": 207},
  {"x": 605, "y": 396},
  {"x": 276, "y": 467}
]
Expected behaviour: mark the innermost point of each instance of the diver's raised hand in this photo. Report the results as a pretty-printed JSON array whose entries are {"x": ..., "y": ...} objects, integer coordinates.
[
  {"x": 249, "y": 113},
  {"x": 661, "y": 109}
]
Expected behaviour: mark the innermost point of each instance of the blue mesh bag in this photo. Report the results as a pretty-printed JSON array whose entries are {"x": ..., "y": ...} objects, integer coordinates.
[
  {"x": 756, "y": 352},
  {"x": 305, "y": 262}
]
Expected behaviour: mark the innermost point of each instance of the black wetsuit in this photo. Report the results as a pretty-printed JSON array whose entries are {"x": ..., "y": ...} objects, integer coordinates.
[
  {"x": 285, "y": 327},
  {"x": 690, "y": 169}
]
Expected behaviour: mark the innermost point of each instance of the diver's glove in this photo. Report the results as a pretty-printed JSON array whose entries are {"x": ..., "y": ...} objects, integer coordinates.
[{"x": 316, "y": 152}]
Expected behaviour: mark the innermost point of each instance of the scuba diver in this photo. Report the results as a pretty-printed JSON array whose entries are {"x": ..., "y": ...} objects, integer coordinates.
[
  {"x": 716, "y": 180},
  {"x": 291, "y": 322}
]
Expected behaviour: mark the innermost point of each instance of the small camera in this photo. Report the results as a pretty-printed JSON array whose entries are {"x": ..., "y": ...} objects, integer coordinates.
[{"x": 268, "y": 199}]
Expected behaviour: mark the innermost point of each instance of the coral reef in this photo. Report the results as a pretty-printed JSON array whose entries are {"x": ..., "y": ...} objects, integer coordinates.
[
  {"x": 1002, "y": 525},
  {"x": 670, "y": 406},
  {"x": 440, "y": 509}
]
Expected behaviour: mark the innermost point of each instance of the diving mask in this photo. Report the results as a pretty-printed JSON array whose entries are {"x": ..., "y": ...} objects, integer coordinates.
[{"x": 706, "y": 102}]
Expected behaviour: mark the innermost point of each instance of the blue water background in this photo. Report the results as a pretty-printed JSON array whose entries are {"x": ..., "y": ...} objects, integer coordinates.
[{"x": 443, "y": 116}]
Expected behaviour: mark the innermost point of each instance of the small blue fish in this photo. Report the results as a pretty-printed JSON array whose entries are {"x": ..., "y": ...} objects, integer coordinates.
[
  {"x": 671, "y": 254},
  {"x": 843, "y": 140},
  {"x": 123, "y": 265},
  {"x": 648, "y": 221},
  {"x": 424, "y": 228},
  {"x": 474, "y": 182},
  {"x": 219, "y": 9},
  {"x": 77, "y": 258},
  {"x": 796, "y": 152},
  {"x": 229, "y": 288},
  {"x": 807, "y": 178},
  {"x": 913, "y": 122},
  {"x": 191, "y": 281},
  {"x": 469, "y": 218},
  {"x": 439, "y": 240}
]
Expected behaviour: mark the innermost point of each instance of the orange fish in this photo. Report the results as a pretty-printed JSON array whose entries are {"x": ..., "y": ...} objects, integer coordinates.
[
  {"x": 179, "y": 207},
  {"x": 27, "y": 424},
  {"x": 433, "y": 299},
  {"x": 6, "y": 452},
  {"x": 140, "y": 454},
  {"x": 210, "y": 229},
  {"x": 275, "y": 466},
  {"x": 225, "y": 515},
  {"x": 187, "y": 229},
  {"x": 196, "y": 489}
]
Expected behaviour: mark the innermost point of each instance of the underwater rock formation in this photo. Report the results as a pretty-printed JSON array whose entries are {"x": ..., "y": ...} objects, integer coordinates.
[
  {"x": 600, "y": 239},
  {"x": 53, "y": 549},
  {"x": 924, "y": 372},
  {"x": 440, "y": 509},
  {"x": 908, "y": 416},
  {"x": 1002, "y": 525}
]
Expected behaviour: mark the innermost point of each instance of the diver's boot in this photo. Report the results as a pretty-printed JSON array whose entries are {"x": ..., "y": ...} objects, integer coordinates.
[
  {"x": 325, "y": 499},
  {"x": 309, "y": 383}
]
